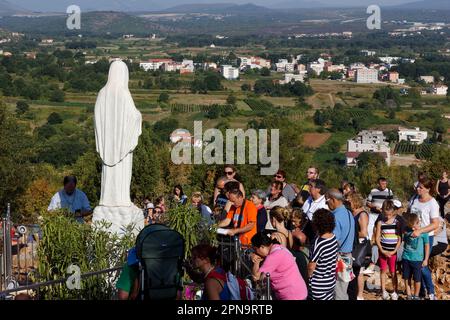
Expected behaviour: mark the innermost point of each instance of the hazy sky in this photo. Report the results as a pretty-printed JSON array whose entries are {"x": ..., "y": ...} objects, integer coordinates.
[{"x": 60, "y": 5}]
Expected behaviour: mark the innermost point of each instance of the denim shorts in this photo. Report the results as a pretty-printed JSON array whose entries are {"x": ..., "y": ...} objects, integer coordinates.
[{"x": 413, "y": 268}]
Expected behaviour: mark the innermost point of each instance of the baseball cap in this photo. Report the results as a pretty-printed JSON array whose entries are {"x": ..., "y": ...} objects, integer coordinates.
[
  {"x": 397, "y": 203},
  {"x": 132, "y": 257},
  {"x": 149, "y": 206}
]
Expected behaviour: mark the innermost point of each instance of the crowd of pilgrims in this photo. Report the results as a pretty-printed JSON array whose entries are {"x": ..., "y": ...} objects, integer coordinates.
[
  {"x": 319, "y": 242},
  {"x": 315, "y": 241}
]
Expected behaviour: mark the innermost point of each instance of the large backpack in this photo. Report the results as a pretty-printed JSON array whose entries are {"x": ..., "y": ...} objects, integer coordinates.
[{"x": 160, "y": 251}]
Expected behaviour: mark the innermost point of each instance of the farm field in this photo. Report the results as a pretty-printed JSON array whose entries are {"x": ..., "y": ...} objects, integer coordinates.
[{"x": 315, "y": 140}]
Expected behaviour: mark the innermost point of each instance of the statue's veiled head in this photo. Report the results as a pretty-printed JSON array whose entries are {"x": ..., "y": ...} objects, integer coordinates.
[{"x": 118, "y": 74}]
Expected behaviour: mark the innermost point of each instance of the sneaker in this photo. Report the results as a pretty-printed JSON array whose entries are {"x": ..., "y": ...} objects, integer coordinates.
[
  {"x": 432, "y": 297},
  {"x": 409, "y": 297},
  {"x": 415, "y": 298},
  {"x": 359, "y": 298},
  {"x": 386, "y": 295},
  {"x": 394, "y": 296}
]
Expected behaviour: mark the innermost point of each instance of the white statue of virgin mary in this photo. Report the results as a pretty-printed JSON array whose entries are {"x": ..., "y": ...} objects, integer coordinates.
[{"x": 118, "y": 125}]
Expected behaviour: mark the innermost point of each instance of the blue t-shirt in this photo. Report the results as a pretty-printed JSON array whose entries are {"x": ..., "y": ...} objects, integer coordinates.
[
  {"x": 414, "y": 247},
  {"x": 344, "y": 229}
]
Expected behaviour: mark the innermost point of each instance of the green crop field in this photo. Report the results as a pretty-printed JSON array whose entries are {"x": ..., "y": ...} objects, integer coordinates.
[{"x": 422, "y": 151}]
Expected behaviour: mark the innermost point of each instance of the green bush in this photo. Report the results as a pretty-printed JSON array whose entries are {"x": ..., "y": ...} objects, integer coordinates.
[
  {"x": 90, "y": 247},
  {"x": 188, "y": 222}
]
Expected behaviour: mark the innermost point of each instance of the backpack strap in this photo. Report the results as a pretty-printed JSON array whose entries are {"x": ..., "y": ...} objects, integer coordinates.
[
  {"x": 218, "y": 280},
  {"x": 214, "y": 274},
  {"x": 348, "y": 234},
  {"x": 241, "y": 213}
]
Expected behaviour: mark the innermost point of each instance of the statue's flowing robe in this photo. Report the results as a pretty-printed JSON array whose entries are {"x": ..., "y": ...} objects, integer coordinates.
[{"x": 118, "y": 125}]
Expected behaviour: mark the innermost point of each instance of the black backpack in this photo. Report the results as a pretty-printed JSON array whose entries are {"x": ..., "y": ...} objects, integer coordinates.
[{"x": 160, "y": 251}]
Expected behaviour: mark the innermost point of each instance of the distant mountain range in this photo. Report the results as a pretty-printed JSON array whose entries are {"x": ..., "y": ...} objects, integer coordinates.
[
  {"x": 7, "y": 8},
  {"x": 98, "y": 23},
  {"x": 286, "y": 4},
  {"x": 159, "y": 5},
  {"x": 230, "y": 8},
  {"x": 426, "y": 4},
  {"x": 11, "y": 7}
]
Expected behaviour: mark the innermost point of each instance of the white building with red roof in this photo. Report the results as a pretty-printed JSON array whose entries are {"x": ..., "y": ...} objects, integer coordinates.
[{"x": 367, "y": 141}]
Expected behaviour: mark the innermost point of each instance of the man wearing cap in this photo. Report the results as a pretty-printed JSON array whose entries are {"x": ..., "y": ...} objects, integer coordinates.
[
  {"x": 72, "y": 199},
  {"x": 148, "y": 211}
]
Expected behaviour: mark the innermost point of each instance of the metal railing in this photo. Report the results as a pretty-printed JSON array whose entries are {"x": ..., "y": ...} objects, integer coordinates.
[
  {"x": 6, "y": 270},
  {"x": 235, "y": 256},
  {"x": 19, "y": 252},
  {"x": 33, "y": 291},
  {"x": 266, "y": 289}
]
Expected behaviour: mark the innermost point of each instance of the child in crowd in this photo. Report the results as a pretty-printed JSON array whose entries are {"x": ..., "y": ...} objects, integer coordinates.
[
  {"x": 297, "y": 222},
  {"x": 413, "y": 255},
  {"x": 388, "y": 239}
]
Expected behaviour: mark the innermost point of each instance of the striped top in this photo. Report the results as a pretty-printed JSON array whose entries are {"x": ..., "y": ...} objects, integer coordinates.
[
  {"x": 323, "y": 280},
  {"x": 389, "y": 235},
  {"x": 377, "y": 197}
]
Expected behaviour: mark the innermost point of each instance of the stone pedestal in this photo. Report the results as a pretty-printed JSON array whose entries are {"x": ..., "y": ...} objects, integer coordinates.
[{"x": 120, "y": 218}]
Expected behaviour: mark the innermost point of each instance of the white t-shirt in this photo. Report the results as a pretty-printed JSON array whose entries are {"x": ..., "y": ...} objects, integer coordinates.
[
  {"x": 280, "y": 202},
  {"x": 310, "y": 206},
  {"x": 426, "y": 211},
  {"x": 76, "y": 201}
]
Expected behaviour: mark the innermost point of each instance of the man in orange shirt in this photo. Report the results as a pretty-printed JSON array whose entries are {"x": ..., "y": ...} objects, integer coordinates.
[{"x": 242, "y": 217}]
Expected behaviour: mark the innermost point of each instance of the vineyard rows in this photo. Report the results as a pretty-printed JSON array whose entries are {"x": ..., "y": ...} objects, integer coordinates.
[
  {"x": 259, "y": 105},
  {"x": 357, "y": 114},
  {"x": 189, "y": 108},
  {"x": 422, "y": 151}
]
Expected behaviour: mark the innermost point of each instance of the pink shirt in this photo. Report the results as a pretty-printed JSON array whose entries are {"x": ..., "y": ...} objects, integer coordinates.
[{"x": 286, "y": 280}]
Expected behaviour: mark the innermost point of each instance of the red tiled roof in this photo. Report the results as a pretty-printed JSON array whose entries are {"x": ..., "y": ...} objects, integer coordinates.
[
  {"x": 160, "y": 60},
  {"x": 353, "y": 154}
]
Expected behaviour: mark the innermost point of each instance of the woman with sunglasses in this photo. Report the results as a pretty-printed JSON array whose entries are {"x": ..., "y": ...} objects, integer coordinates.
[
  {"x": 229, "y": 175},
  {"x": 288, "y": 190},
  {"x": 157, "y": 216}
]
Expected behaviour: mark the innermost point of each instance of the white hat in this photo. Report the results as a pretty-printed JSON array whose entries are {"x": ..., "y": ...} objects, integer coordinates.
[
  {"x": 149, "y": 206},
  {"x": 397, "y": 203}
]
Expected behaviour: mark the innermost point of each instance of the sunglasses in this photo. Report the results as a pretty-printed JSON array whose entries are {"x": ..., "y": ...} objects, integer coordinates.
[
  {"x": 229, "y": 173},
  {"x": 310, "y": 172},
  {"x": 279, "y": 176}
]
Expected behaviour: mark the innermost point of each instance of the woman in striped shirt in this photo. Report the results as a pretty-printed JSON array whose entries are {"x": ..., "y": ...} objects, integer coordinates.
[
  {"x": 388, "y": 238},
  {"x": 323, "y": 257}
]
